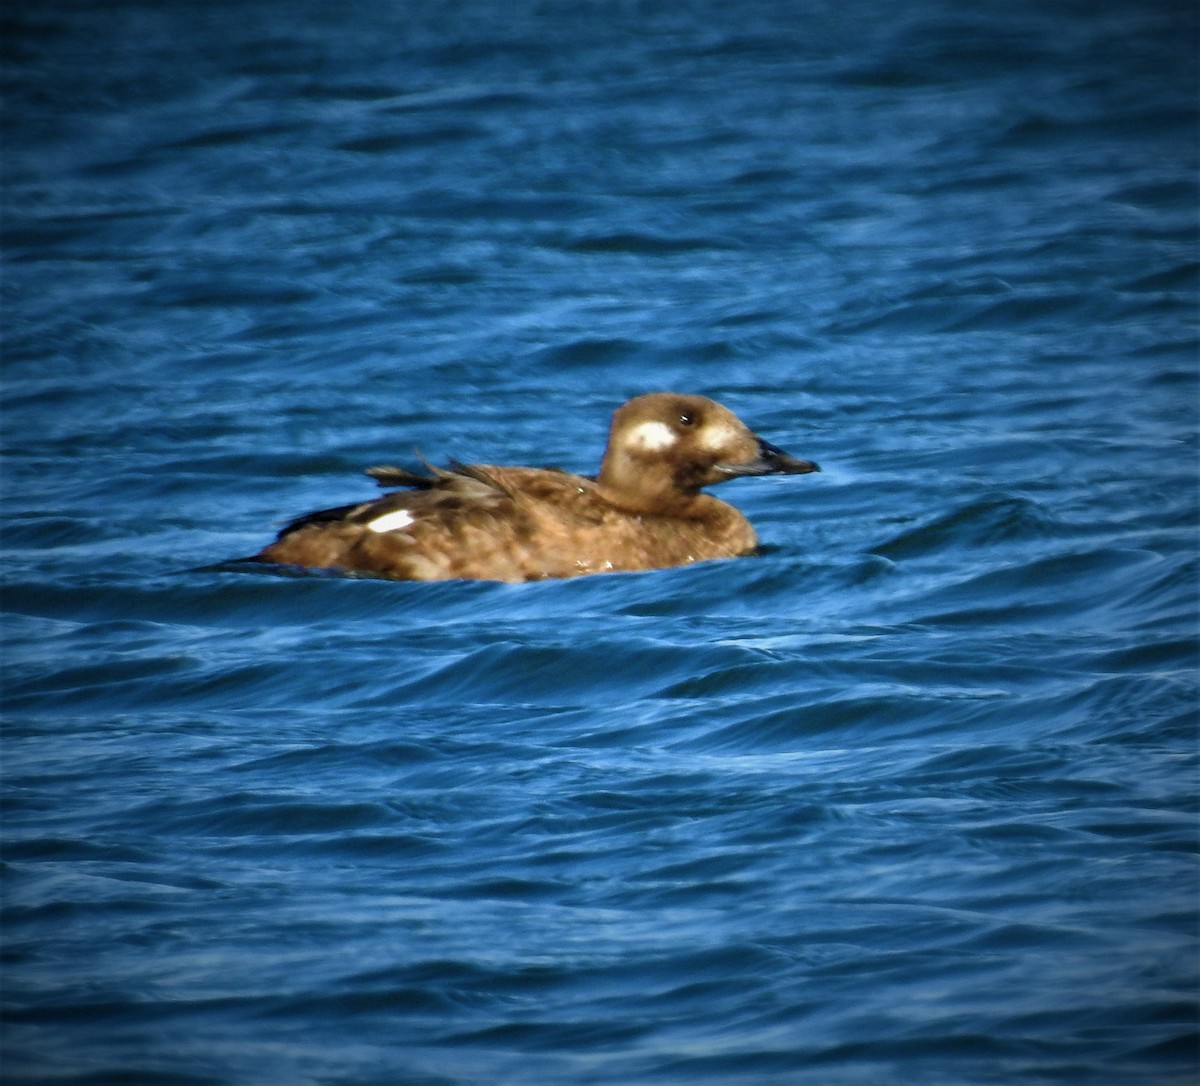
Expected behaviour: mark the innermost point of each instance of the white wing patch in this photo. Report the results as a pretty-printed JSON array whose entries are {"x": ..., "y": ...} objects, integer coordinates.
[
  {"x": 391, "y": 522},
  {"x": 651, "y": 436}
]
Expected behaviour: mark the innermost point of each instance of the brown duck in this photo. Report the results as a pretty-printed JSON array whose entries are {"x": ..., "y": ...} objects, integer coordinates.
[{"x": 644, "y": 510}]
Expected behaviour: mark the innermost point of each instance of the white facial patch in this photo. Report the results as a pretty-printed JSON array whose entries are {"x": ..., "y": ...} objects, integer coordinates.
[
  {"x": 651, "y": 436},
  {"x": 719, "y": 436},
  {"x": 390, "y": 522}
]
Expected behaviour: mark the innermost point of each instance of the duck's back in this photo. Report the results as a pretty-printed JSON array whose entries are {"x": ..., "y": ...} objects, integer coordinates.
[{"x": 504, "y": 524}]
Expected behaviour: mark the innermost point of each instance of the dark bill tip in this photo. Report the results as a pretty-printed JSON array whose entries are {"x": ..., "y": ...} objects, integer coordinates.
[
  {"x": 797, "y": 467},
  {"x": 771, "y": 461}
]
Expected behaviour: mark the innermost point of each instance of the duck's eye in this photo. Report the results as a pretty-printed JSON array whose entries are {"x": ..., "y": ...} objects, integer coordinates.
[{"x": 687, "y": 419}]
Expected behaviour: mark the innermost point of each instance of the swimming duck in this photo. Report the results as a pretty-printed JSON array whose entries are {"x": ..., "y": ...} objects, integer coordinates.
[{"x": 643, "y": 510}]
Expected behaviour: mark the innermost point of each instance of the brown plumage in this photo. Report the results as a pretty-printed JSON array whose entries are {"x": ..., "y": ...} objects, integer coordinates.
[{"x": 644, "y": 510}]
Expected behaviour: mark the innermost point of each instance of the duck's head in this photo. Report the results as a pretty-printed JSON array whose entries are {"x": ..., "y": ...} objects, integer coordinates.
[{"x": 664, "y": 446}]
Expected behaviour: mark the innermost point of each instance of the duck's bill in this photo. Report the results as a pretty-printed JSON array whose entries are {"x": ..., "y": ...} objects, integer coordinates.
[{"x": 770, "y": 461}]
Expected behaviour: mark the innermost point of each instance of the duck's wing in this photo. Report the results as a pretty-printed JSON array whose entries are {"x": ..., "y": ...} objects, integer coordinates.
[
  {"x": 387, "y": 476},
  {"x": 337, "y": 515},
  {"x": 455, "y": 479},
  {"x": 479, "y": 482},
  {"x": 441, "y": 491}
]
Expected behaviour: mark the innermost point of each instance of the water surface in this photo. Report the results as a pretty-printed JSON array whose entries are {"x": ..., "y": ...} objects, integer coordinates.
[{"x": 909, "y": 797}]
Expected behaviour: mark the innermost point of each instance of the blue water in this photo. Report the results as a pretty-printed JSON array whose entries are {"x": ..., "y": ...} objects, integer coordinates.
[{"x": 908, "y": 798}]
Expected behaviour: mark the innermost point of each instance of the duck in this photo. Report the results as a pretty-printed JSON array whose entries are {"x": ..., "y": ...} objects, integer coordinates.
[{"x": 644, "y": 509}]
